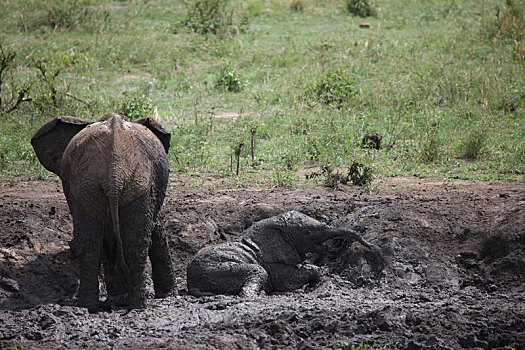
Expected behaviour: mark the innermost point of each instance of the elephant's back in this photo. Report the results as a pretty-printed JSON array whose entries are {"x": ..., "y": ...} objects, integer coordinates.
[
  {"x": 236, "y": 252},
  {"x": 102, "y": 159}
]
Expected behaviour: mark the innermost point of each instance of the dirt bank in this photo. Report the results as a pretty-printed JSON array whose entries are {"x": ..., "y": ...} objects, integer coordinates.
[{"x": 449, "y": 271}]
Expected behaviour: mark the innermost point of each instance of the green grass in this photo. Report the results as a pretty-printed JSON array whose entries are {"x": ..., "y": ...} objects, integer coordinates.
[{"x": 443, "y": 85}]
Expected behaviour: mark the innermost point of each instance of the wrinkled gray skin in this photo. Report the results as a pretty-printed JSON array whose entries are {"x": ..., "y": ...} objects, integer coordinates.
[
  {"x": 114, "y": 174},
  {"x": 268, "y": 257}
]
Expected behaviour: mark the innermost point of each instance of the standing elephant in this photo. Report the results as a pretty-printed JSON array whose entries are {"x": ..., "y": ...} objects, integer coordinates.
[
  {"x": 114, "y": 174},
  {"x": 269, "y": 256}
]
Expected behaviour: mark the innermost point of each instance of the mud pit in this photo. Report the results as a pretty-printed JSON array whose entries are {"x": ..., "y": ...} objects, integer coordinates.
[{"x": 449, "y": 274}]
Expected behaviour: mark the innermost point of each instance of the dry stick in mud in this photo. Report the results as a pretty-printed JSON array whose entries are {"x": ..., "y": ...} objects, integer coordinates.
[
  {"x": 114, "y": 174},
  {"x": 269, "y": 257}
]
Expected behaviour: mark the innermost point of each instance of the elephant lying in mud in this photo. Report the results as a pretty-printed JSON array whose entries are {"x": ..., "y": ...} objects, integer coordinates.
[
  {"x": 114, "y": 174},
  {"x": 269, "y": 257}
]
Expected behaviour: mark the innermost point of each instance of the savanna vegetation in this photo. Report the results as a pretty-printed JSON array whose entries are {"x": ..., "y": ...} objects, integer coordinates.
[{"x": 257, "y": 90}]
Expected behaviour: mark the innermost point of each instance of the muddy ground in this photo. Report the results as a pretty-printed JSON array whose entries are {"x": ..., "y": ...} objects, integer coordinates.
[{"x": 449, "y": 272}]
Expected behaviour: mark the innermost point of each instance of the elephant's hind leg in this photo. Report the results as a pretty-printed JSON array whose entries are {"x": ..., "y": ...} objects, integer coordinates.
[
  {"x": 229, "y": 277},
  {"x": 136, "y": 227},
  {"x": 88, "y": 234},
  {"x": 116, "y": 283},
  {"x": 255, "y": 282},
  {"x": 162, "y": 269}
]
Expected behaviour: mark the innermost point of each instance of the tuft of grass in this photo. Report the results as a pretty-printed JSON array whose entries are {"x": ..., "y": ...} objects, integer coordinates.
[{"x": 471, "y": 146}]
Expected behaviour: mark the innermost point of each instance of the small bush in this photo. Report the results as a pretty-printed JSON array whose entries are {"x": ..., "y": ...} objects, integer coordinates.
[
  {"x": 228, "y": 80},
  {"x": 11, "y": 94},
  {"x": 212, "y": 17},
  {"x": 335, "y": 87},
  {"x": 361, "y": 8},
  {"x": 63, "y": 14},
  {"x": 137, "y": 107}
]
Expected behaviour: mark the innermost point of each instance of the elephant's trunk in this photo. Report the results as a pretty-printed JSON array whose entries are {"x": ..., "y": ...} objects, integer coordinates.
[
  {"x": 348, "y": 234},
  {"x": 113, "y": 194}
]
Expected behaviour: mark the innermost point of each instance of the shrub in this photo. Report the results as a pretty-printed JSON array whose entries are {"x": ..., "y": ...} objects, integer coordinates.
[
  {"x": 137, "y": 107},
  {"x": 297, "y": 6},
  {"x": 361, "y": 8},
  {"x": 508, "y": 25},
  {"x": 212, "y": 17},
  {"x": 510, "y": 20},
  {"x": 63, "y": 14},
  {"x": 334, "y": 87},
  {"x": 228, "y": 80}
]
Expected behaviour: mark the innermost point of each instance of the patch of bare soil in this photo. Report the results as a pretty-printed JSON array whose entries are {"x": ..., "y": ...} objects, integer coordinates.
[{"x": 448, "y": 271}]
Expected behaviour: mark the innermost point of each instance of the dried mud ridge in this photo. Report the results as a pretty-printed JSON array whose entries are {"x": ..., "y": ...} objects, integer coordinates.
[{"x": 449, "y": 272}]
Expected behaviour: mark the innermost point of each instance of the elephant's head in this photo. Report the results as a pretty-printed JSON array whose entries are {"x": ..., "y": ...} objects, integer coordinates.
[
  {"x": 51, "y": 140},
  {"x": 309, "y": 234}
]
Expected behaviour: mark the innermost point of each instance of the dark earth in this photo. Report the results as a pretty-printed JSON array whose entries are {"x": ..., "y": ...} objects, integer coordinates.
[{"x": 449, "y": 272}]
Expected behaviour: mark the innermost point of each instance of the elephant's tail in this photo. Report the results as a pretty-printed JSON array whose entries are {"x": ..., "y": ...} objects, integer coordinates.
[{"x": 113, "y": 198}]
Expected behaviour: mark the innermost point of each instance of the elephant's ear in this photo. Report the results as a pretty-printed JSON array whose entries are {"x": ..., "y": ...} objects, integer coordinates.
[
  {"x": 162, "y": 134},
  {"x": 51, "y": 140}
]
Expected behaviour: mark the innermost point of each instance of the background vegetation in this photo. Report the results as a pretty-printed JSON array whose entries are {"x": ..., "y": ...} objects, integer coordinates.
[{"x": 276, "y": 86}]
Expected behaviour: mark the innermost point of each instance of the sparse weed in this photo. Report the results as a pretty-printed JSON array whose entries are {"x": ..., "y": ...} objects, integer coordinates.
[
  {"x": 228, "y": 80},
  {"x": 360, "y": 346},
  {"x": 283, "y": 178},
  {"x": 357, "y": 174}
]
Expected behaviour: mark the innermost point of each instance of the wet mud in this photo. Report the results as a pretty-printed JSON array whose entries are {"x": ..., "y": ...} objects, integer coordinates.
[{"x": 448, "y": 270}]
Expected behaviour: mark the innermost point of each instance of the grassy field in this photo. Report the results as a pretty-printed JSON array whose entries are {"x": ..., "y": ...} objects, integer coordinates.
[{"x": 282, "y": 85}]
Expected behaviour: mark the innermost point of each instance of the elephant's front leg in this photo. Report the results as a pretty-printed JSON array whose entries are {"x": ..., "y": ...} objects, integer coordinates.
[
  {"x": 162, "y": 269},
  {"x": 290, "y": 277}
]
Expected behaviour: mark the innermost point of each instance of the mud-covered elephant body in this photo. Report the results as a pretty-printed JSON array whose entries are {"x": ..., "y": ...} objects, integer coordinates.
[
  {"x": 269, "y": 256},
  {"x": 114, "y": 174}
]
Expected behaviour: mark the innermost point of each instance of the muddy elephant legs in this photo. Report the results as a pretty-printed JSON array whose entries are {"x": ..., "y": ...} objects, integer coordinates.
[
  {"x": 162, "y": 270},
  {"x": 136, "y": 226},
  {"x": 88, "y": 252},
  {"x": 291, "y": 277},
  {"x": 227, "y": 277},
  {"x": 255, "y": 282}
]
